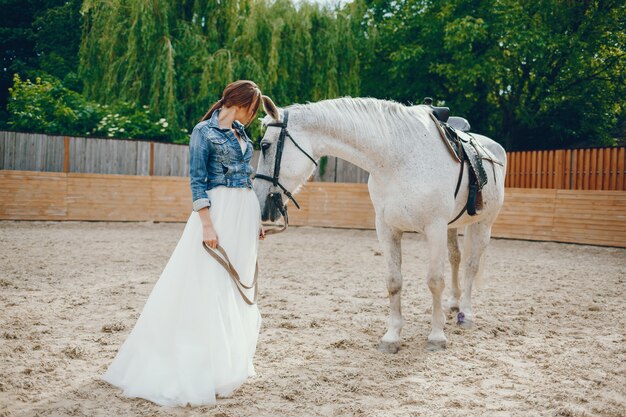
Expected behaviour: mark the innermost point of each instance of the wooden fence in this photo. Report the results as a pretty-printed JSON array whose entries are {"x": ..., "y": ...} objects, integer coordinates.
[
  {"x": 571, "y": 169},
  {"x": 577, "y": 169},
  {"x": 593, "y": 217},
  {"x": 40, "y": 152}
]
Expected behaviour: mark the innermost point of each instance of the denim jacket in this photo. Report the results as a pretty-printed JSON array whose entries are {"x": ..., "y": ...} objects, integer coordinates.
[{"x": 215, "y": 158}]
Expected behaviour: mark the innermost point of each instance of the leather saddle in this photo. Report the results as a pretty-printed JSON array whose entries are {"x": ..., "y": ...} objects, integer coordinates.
[
  {"x": 464, "y": 148},
  {"x": 443, "y": 115}
]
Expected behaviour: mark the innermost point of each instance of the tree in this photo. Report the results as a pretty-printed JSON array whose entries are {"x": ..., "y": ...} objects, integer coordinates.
[
  {"x": 178, "y": 56},
  {"x": 531, "y": 74},
  {"x": 32, "y": 43}
]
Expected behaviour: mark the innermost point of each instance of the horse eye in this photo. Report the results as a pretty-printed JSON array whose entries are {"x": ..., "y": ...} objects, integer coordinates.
[{"x": 265, "y": 146}]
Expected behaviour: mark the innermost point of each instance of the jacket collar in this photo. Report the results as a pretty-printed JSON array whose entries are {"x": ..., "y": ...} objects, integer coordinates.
[{"x": 213, "y": 122}]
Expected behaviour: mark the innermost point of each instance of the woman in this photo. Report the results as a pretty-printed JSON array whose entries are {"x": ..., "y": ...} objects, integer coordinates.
[{"x": 196, "y": 336}]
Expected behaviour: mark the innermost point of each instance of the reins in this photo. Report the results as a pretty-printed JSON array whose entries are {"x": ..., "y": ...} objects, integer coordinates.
[{"x": 225, "y": 262}]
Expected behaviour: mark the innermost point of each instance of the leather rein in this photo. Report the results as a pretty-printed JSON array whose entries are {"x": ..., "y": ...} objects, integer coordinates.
[{"x": 225, "y": 262}]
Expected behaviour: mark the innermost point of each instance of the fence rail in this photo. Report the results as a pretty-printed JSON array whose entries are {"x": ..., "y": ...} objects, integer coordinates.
[{"x": 577, "y": 169}]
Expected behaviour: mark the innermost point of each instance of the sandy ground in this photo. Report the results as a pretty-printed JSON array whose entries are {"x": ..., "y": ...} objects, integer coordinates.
[{"x": 549, "y": 339}]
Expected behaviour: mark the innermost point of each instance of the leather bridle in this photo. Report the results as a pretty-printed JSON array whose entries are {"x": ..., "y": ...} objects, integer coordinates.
[{"x": 280, "y": 144}]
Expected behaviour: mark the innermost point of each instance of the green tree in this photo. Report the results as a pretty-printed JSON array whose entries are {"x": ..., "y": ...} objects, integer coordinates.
[
  {"x": 531, "y": 74},
  {"x": 178, "y": 57},
  {"x": 37, "y": 37}
]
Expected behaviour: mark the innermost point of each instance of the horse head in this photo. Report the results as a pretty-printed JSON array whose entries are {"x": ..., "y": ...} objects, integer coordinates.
[{"x": 285, "y": 162}]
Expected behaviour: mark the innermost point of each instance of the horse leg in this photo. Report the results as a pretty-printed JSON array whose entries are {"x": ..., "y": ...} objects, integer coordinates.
[
  {"x": 476, "y": 240},
  {"x": 454, "y": 256},
  {"x": 435, "y": 235},
  {"x": 390, "y": 242}
]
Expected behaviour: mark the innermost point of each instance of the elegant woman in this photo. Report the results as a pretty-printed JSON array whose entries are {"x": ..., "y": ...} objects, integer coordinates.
[{"x": 196, "y": 335}]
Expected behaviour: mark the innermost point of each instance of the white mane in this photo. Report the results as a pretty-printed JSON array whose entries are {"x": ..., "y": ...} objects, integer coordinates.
[{"x": 349, "y": 117}]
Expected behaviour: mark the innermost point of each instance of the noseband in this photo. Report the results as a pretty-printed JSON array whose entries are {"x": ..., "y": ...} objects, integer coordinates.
[{"x": 279, "y": 156}]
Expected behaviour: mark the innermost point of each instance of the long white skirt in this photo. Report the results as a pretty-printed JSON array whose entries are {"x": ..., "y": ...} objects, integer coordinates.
[{"x": 196, "y": 336}]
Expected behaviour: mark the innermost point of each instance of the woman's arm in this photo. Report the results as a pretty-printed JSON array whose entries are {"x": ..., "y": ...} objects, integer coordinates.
[{"x": 198, "y": 175}]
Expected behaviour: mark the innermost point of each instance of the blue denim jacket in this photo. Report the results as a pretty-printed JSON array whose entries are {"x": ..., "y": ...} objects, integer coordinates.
[{"x": 215, "y": 158}]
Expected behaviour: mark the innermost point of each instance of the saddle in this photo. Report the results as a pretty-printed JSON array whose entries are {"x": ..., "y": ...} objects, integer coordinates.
[{"x": 463, "y": 147}]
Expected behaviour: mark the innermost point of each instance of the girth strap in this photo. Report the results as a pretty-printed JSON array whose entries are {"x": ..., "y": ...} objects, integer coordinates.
[{"x": 456, "y": 192}]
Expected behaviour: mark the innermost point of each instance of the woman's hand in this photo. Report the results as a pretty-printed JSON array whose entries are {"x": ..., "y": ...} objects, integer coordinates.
[
  {"x": 209, "y": 236},
  {"x": 261, "y": 233}
]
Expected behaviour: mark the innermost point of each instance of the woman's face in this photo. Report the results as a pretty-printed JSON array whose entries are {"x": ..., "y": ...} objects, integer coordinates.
[{"x": 244, "y": 115}]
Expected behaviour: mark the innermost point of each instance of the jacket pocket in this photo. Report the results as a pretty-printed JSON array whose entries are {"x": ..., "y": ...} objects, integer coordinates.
[
  {"x": 220, "y": 145},
  {"x": 217, "y": 140}
]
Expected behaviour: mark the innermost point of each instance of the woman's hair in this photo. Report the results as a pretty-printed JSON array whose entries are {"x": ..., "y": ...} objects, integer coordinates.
[{"x": 242, "y": 93}]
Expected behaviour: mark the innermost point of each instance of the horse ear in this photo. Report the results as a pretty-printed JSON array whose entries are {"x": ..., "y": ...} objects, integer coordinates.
[{"x": 269, "y": 107}]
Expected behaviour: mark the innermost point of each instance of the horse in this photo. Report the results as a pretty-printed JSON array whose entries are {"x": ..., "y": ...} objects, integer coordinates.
[{"x": 412, "y": 182}]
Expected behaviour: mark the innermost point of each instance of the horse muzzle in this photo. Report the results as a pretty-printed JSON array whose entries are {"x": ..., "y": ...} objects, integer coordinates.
[{"x": 274, "y": 208}]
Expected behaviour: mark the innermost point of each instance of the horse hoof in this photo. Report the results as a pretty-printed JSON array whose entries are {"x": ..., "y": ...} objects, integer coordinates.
[
  {"x": 435, "y": 345},
  {"x": 389, "y": 347},
  {"x": 463, "y": 321}
]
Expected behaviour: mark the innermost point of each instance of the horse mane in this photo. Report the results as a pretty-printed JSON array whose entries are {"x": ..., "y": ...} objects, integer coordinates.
[{"x": 385, "y": 119}]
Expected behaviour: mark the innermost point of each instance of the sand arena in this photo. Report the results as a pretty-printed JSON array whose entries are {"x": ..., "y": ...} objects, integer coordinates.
[{"x": 549, "y": 338}]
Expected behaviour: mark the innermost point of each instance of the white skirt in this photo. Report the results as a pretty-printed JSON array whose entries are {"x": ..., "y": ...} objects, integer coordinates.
[{"x": 196, "y": 336}]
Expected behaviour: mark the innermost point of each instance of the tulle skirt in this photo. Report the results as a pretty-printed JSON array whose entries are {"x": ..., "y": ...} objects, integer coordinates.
[{"x": 196, "y": 336}]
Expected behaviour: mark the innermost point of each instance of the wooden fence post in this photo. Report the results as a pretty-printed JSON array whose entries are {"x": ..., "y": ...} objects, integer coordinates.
[
  {"x": 66, "y": 154},
  {"x": 151, "y": 158}
]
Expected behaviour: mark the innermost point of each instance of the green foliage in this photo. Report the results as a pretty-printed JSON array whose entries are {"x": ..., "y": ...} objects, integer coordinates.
[
  {"x": 178, "y": 57},
  {"x": 39, "y": 36},
  {"x": 125, "y": 120},
  {"x": 47, "y": 106},
  {"x": 322, "y": 165},
  {"x": 531, "y": 74},
  {"x": 57, "y": 50}
]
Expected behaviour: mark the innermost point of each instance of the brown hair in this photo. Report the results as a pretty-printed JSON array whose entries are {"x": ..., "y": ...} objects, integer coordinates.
[{"x": 242, "y": 93}]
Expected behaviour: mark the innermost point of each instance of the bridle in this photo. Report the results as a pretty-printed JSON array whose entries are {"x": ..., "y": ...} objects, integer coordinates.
[{"x": 275, "y": 197}]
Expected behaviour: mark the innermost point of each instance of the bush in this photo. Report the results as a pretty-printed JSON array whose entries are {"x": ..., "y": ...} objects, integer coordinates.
[
  {"x": 47, "y": 106},
  {"x": 125, "y": 120}
]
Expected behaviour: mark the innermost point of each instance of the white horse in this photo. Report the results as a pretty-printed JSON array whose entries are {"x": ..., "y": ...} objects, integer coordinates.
[{"x": 412, "y": 182}]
